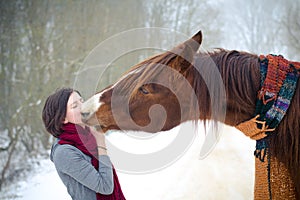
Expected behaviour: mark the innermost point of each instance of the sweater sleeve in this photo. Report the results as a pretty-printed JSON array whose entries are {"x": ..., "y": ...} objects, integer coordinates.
[{"x": 70, "y": 161}]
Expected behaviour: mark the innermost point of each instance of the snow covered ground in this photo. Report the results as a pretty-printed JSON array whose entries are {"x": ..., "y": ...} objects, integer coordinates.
[{"x": 227, "y": 173}]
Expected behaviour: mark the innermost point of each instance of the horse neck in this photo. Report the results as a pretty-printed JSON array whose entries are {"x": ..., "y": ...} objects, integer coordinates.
[{"x": 241, "y": 78}]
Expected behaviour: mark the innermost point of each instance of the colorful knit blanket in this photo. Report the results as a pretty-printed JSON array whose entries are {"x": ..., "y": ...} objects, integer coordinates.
[{"x": 278, "y": 84}]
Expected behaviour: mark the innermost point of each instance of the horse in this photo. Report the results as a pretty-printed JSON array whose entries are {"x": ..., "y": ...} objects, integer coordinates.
[{"x": 185, "y": 84}]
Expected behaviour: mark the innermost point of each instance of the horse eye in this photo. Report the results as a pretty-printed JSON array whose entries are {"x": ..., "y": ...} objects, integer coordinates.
[{"x": 143, "y": 90}]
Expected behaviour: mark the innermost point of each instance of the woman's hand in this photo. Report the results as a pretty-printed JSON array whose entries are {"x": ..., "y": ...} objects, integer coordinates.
[{"x": 100, "y": 139}]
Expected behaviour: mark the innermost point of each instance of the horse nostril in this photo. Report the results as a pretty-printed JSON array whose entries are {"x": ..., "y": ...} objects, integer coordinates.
[{"x": 85, "y": 114}]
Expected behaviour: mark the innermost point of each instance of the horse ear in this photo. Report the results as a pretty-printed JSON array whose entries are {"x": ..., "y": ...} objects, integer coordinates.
[
  {"x": 186, "y": 52},
  {"x": 195, "y": 41}
]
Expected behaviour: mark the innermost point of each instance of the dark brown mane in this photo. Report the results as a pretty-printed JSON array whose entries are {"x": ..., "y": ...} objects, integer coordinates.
[{"x": 240, "y": 74}]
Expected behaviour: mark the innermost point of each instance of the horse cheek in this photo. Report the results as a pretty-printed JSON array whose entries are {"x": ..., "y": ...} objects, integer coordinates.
[{"x": 138, "y": 111}]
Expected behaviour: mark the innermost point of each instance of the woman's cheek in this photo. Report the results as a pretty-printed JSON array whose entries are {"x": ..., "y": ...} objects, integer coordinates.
[{"x": 78, "y": 116}]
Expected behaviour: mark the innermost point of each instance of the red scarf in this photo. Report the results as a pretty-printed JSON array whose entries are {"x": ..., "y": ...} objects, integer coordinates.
[{"x": 84, "y": 140}]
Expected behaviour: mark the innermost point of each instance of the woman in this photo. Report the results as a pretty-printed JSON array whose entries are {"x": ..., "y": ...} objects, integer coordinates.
[{"x": 79, "y": 154}]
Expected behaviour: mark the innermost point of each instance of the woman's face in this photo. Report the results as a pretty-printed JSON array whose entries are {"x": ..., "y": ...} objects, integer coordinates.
[{"x": 73, "y": 109}]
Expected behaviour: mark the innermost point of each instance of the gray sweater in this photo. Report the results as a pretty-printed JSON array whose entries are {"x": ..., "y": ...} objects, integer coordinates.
[{"x": 79, "y": 175}]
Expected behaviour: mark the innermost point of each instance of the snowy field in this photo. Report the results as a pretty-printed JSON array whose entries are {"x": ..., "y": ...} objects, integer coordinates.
[{"x": 227, "y": 173}]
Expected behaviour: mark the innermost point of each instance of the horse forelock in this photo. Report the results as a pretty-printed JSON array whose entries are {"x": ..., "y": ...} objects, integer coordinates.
[{"x": 144, "y": 72}]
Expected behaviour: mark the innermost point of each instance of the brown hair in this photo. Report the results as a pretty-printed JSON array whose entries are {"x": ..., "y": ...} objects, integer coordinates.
[{"x": 55, "y": 110}]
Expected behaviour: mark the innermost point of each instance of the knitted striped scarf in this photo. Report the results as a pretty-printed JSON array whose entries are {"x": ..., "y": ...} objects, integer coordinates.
[{"x": 278, "y": 84}]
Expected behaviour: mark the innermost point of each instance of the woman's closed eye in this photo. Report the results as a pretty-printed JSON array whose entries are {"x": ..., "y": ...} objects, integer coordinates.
[{"x": 74, "y": 105}]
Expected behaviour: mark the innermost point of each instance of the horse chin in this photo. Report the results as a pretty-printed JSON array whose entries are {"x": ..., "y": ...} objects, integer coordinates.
[
  {"x": 101, "y": 128},
  {"x": 91, "y": 120}
]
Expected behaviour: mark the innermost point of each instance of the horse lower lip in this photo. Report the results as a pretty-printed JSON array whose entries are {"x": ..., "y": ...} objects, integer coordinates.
[{"x": 84, "y": 120}]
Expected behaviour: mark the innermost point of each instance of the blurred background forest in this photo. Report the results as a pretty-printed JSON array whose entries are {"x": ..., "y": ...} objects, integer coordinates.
[{"x": 43, "y": 43}]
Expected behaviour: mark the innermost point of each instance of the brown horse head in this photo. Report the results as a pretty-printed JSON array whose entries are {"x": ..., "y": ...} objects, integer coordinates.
[
  {"x": 176, "y": 86},
  {"x": 155, "y": 95}
]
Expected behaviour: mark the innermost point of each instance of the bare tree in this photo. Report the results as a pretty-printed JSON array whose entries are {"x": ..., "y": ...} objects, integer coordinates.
[
  {"x": 254, "y": 25},
  {"x": 290, "y": 23},
  {"x": 187, "y": 17}
]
